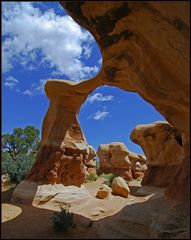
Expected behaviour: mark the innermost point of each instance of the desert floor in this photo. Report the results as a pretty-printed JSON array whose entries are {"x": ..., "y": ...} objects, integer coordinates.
[{"x": 122, "y": 217}]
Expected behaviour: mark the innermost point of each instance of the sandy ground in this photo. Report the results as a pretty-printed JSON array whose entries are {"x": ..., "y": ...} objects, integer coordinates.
[{"x": 122, "y": 217}]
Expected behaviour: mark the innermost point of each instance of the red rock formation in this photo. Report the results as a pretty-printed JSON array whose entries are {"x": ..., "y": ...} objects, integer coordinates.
[
  {"x": 116, "y": 158},
  {"x": 162, "y": 146},
  {"x": 145, "y": 49},
  {"x": 120, "y": 187},
  {"x": 64, "y": 151}
]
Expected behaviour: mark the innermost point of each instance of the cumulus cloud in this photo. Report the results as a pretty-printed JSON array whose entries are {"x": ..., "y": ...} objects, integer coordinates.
[
  {"x": 45, "y": 39},
  {"x": 98, "y": 97},
  {"x": 11, "y": 82}
]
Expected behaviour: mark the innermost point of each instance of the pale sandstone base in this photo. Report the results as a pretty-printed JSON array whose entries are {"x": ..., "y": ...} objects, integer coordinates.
[{"x": 51, "y": 196}]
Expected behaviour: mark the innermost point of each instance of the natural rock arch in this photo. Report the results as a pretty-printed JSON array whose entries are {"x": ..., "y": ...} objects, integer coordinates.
[
  {"x": 135, "y": 58},
  {"x": 144, "y": 47}
]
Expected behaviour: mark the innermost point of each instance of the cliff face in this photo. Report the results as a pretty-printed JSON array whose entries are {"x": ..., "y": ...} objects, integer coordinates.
[{"x": 145, "y": 47}]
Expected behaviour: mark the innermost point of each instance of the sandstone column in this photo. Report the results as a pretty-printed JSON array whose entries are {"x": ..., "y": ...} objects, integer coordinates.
[{"x": 64, "y": 150}]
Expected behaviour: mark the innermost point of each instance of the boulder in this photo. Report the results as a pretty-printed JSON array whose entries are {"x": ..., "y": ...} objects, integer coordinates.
[
  {"x": 120, "y": 187},
  {"x": 103, "y": 191},
  {"x": 97, "y": 211}
]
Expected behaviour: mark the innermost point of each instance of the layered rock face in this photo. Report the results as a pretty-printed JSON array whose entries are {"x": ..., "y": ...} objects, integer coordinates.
[
  {"x": 64, "y": 152},
  {"x": 145, "y": 47},
  {"x": 162, "y": 145},
  {"x": 116, "y": 158}
]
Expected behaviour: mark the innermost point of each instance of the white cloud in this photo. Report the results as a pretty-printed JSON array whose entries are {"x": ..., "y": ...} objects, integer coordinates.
[
  {"x": 100, "y": 115},
  {"x": 98, "y": 97},
  {"x": 11, "y": 82},
  {"x": 31, "y": 36}
]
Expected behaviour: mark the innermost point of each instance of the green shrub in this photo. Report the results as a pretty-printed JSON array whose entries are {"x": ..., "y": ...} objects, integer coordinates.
[
  {"x": 91, "y": 177},
  {"x": 17, "y": 170},
  {"x": 109, "y": 178},
  {"x": 63, "y": 220}
]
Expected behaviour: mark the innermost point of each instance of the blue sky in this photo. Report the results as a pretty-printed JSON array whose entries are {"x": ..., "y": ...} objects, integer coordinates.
[{"x": 39, "y": 42}]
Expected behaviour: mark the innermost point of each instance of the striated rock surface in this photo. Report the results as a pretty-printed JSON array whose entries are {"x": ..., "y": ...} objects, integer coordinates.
[
  {"x": 64, "y": 151},
  {"x": 162, "y": 146},
  {"x": 120, "y": 187},
  {"x": 145, "y": 49},
  {"x": 116, "y": 158}
]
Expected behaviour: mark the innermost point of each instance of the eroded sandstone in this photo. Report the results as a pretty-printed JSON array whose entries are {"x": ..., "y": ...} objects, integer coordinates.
[
  {"x": 162, "y": 146},
  {"x": 64, "y": 151},
  {"x": 116, "y": 158},
  {"x": 145, "y": 49}
]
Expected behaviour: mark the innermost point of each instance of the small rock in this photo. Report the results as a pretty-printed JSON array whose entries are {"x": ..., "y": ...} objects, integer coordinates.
[
  {"x": 103, "y": 191},
  {"x": 97, "y": 211},
  {"x": 120, "y": 187}
]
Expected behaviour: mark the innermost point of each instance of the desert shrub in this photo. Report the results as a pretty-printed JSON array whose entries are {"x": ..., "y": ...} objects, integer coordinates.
[
  {"x": 17, "y": 170},
  {"x": 91, "y": 177},
  {"x": 109, "y": 178},
  {"x": 63, "y": 220}
]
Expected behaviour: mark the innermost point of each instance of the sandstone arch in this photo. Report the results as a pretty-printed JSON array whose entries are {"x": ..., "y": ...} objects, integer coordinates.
[
  {"x": 145, "y": 50},
  {"x": 145, "y": 47}
]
